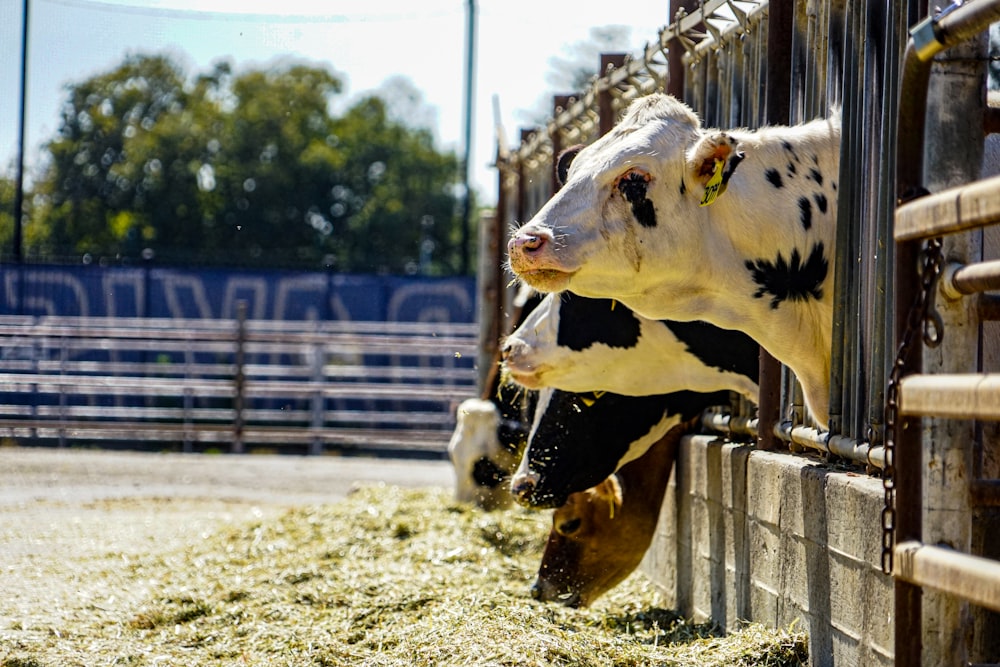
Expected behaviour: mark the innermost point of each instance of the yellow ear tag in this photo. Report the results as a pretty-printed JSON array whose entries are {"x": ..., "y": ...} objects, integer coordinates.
[
  {"x": 714, "y": 186},
  {"x": 590, "y": 401}
]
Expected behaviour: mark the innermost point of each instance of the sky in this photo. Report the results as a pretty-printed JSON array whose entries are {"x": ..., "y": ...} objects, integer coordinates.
[{"x": 365, "y": 43}]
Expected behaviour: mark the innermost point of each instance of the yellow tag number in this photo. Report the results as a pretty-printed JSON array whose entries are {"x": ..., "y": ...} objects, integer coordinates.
[{"x": 714, "y": 186}]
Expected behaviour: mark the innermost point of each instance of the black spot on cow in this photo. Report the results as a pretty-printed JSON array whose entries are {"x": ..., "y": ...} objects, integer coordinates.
[
  {"x": 820, "y": 200},
  {"x": 791, "y": 149},
  {"x": 791, "y": 169},
  {"x": 815, "y": 159},
  {"x": 579, "y": 441},
  {"x": 684, "y": 188},
  {"x": 816, "y": 176},
  {"x": 833, "y": 184},
  {"x": 724, "y": 349},
  {"x": 805, "y": 212},
  {"x": 633, "y": 187},
  {"x": 734, "y": 161},
  {"x": 584, "y": 322},
  {"x": 487, "y": 473},
  {"x": 774, "y": 178},
  {"x": 790, "y": 280}
]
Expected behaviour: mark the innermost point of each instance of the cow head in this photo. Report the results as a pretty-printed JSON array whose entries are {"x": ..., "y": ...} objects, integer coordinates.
[
  {"x": 578, "y": 344},
  {"x": 577, "y": 440},
  {"x": 627, "y": 196},
  {"x": 600, "y": 535}
]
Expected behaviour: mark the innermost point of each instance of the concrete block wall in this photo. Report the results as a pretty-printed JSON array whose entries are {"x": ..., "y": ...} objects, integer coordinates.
[{"x": 769, "y": 537}]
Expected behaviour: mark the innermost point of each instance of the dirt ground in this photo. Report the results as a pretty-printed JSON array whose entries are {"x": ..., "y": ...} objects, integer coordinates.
[{"x": 90, "y": 506}]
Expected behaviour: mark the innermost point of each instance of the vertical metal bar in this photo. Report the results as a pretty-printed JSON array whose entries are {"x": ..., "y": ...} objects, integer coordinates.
[
  {"x": 882, "y": 340},
  {"x": 777, "y": 102},
  {"x": 239, "y": 377},
  {"x": 844, "y": 257},
  {"x": 470, "y": 82},
  {"x": 675, "y": 52},
  {"x": 18, "y": 239},
  {"x": 907, "y": 646},
  {"x": 605, "y": 99},
  {"x": 318, "y": 401}
]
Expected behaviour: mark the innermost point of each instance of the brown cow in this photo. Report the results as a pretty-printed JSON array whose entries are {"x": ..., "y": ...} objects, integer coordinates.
[{"x": 601, "y": 535}]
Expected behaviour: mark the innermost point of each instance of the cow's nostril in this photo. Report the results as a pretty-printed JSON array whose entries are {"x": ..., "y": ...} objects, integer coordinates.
[
  {"x": 522, "y": 486},
  {"x": 528, "y": 243},
  {"x": 536, "y": 591}
]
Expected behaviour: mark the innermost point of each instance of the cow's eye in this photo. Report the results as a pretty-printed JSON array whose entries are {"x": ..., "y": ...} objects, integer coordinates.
[
  {"x": 569, "y": 527},
  {"x": 632, "y": 184}
]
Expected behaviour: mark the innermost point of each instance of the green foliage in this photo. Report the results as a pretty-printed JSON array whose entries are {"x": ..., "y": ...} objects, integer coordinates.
[{"x": 248, "y": 168}]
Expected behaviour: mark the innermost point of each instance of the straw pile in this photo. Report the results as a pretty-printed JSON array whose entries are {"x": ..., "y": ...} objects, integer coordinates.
[{"x": 386, "y": 577}]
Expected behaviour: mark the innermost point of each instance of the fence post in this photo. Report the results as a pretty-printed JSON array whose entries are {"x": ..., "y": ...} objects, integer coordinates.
[
  {"x": 605, "y": 98},
  {"x": 316, "y": 446},
  {"x": 954, "y": 147},
  {"x": 239, "y": 379}
]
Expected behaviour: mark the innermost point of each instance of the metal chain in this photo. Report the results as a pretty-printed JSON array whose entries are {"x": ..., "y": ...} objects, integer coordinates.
[{"x": 921, "y": 316}]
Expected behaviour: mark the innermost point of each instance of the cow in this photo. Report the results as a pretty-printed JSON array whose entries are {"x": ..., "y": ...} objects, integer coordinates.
[
  {"x": 491, "y": 432},
  {"x": 681, "y": 222},
  {"x": 482, "y": 464},
  {"x": 579, "y": 439},
  {"x": 579, "y": 344},
  {"x": 600, "y": 535}
]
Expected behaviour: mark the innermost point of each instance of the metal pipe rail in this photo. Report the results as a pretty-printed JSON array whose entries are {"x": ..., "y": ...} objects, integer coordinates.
[
  {"x": 970, "y": 577},
  {"x": 957, "y": 209},
  {"x": 951, "y": 395}
]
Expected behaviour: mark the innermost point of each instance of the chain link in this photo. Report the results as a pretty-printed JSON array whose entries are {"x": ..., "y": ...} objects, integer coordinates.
[{"x": 921, "y": 317}]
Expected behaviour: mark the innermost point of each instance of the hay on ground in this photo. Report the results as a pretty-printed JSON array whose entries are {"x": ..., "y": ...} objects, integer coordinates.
[{"x": 385, "y": 577}]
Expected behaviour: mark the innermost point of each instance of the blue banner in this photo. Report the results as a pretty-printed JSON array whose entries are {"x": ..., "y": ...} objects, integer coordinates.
[{"x": 100, "y": 291}]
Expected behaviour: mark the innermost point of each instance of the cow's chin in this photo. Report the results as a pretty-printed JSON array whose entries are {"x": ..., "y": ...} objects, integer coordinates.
[
  {"x": 547, "y": 280},
  {"x": 529, "y": 379},
  {"x": 543, "y": 500},
  {"x": 526, "y": 380}
]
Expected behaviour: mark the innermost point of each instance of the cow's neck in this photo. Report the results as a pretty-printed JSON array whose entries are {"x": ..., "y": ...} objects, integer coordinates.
[{"x": 722, "y": 293}]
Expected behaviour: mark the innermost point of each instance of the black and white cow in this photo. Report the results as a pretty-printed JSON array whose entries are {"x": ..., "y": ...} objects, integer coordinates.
[
  {"x": 687, "y": 223},
  {"x": 483, "y": 462},
  {"x": 578, "y": 439},
  {"x": 578, "y": 344}
]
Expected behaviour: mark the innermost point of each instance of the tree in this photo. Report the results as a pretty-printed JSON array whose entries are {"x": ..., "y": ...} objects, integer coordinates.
[
  {"x": 400, "y": 204},
  {"x": 89, "y": 188},
  {"x": 249, "y": 168}
]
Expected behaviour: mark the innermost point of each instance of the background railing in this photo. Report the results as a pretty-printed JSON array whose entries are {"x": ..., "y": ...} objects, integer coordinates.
[{"x": 305, "y": 387}]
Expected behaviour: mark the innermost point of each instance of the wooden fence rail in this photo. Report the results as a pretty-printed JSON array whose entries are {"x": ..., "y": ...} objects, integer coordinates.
[{"x": 193, "y": 384}]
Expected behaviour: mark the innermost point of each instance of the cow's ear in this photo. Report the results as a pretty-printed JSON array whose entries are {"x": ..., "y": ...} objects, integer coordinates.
[
  {"x": 563, "y": 162},
  {"x": 610, "y": 491},
  {"x": 711, "y": 163}
]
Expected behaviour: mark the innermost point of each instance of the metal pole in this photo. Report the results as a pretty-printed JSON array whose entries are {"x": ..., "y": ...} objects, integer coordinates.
[
  {"x": 18, "y": 239},
  {"x": 778, "y": 93},
  {"x": 239, "y": 377},
  {"x": 470, "y": 75}
]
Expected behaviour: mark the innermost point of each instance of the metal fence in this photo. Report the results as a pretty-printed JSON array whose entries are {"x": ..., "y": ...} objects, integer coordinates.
[
  {"x": 234, "y": 384},
  {"x": 750, "y": 63}
]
